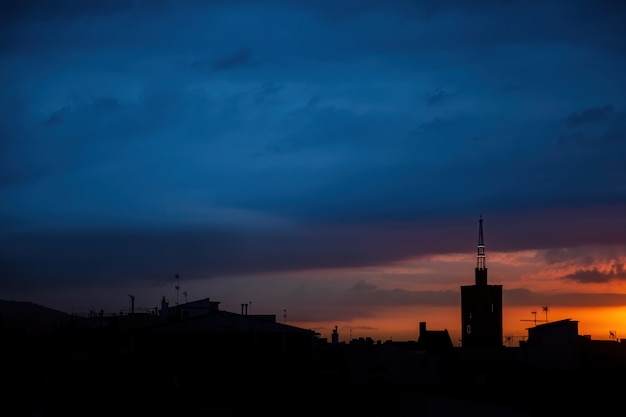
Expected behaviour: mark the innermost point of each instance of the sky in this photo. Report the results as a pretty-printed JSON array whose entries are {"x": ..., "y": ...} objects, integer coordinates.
[{"x": 323, "y": 161}]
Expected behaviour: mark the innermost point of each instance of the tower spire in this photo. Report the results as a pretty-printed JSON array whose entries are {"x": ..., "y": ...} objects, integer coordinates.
[{"x": 481, "y": 266}]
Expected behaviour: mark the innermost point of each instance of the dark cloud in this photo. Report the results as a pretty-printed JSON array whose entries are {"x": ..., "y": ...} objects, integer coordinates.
[
  {"x": 266, "y": 92},
  {"x": 61, "y": 259},
  {"x": 17, "y": 10},
  {"x": 524, "y": 297},
  {"x": 57, "y": 116},
  {"x": 593, "y": 275},
  {"x": 319, "y": 121},
  {"x": 86, "y": 133},
  {"x": 435, "y": 124},
  {"x": 400, "y": 297},
  {"x": 363, "y": 285},
  {"x": 590, "y": 115},
  {"x": 331, "y": 128},
  {"x": 238, "y": 58},
  {"x": 438, "y": 96}
]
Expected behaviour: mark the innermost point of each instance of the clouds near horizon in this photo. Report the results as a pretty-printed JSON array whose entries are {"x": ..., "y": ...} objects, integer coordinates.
[{"x": 140, "y": 138}]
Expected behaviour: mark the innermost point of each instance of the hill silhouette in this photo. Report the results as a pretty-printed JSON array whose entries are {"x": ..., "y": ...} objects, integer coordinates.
[{"x": 28, "y": 317}]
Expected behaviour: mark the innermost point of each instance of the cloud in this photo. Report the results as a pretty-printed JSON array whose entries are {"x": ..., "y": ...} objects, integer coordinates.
[
  {"x": 331, "y": 135},
  {"x": 399, "y": 297},
  {"x": 590, "y": 115},
  {"x": 586, "y": 264},
  {"x": 363, "y": 285},
  {"x": 57, "y": 116},
  {"x": 437, "y": 124},
  {"x": 525, "y": 297},
  {"x": 594, "y": 275},
  {"x": 266, "y": 92},
  {"x": 17, "y": 10},
  {"x": 438, "y": 96},
  {"x": 237, "y": 58}
]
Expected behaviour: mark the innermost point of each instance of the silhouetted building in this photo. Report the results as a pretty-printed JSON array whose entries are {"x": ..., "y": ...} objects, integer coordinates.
[
  {"x": 434, "y": 341},
  {"x": 481, "y": 306},
  {"x": 553, "y": 345},
  {"x": 335, "y": 336}
]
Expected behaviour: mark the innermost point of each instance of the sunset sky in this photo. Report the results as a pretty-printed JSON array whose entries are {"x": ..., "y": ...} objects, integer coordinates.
[{"x": 323, "y": 161}]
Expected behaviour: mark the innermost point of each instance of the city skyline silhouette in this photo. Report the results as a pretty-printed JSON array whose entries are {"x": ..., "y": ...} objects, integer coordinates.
[{"x": 318, "y": 167}]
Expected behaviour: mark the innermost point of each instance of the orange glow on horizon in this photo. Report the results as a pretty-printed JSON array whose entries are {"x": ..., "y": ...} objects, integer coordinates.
[{"x": 402, "y": 323}]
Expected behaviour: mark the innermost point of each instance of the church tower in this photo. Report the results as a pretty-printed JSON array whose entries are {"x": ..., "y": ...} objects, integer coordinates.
[{"x": 481, "y": 305}]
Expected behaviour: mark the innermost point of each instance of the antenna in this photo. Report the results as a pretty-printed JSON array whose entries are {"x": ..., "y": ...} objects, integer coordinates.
[
  {"x": 534, "y": 313},
  {"x": 185, "y": 294},
  {"x": 285, "y": 315},
  {"x": 545, "y": 308},
  {"x": 480, "y": 256},
  {"x": 481, "y": 265},
  {"x": 177, "y": 286}
]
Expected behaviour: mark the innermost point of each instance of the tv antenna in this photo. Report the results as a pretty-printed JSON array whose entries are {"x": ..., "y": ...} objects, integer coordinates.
[
  {"x": 534, "y": 313},
  {"x": 545, "y": 308},
  {"x": 285, "y": 315},
  {"x": 612, "y": 335},
  {"x": 185, "y": 295}
]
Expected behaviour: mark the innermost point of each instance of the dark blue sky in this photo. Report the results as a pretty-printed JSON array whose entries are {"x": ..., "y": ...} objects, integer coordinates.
[{"x": 139, "y": 139}]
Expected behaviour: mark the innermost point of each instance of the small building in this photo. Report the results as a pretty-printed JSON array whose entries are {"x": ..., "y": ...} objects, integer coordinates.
[
  {"x": 553, "y": 345},
  {"x": 434, "y": 341}
]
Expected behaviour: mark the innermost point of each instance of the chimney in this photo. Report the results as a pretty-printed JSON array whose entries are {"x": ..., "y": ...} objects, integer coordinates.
[{"x": 422, "y": 328}]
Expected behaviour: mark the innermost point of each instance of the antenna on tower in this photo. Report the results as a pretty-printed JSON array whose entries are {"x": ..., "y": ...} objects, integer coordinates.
[
  {"x": 480, "y": 258},
  {"x": 481, "y": 265}
]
